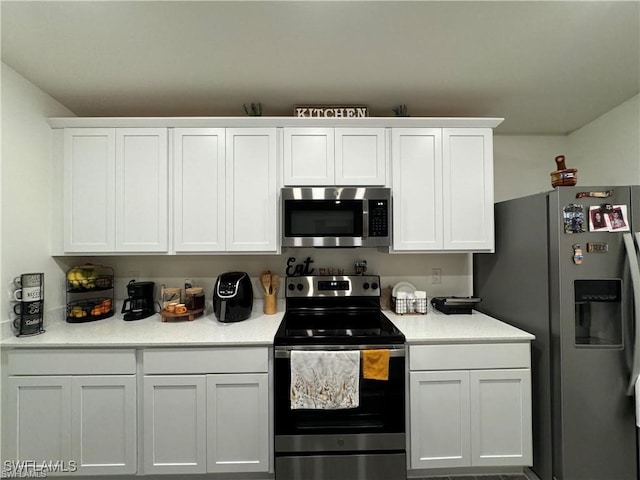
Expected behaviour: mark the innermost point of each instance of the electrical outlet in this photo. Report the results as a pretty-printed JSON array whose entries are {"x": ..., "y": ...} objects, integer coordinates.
[
  {"x": 134, "y": 275},
  {"x": 436, "y": 275}
]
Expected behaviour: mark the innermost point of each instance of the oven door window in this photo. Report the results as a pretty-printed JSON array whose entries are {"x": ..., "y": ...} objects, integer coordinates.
[
  {"x": 381, "y": 407},
  {"x": 323, "y": 218}
]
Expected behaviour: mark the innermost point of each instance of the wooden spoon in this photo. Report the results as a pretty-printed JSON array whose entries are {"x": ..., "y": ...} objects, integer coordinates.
[
  {"x": 265, "y": 278},
  {"x": 275, "y": 283}
]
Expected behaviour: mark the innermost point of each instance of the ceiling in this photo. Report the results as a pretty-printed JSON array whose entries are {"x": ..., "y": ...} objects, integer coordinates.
[{"x": 546, "y": 67}]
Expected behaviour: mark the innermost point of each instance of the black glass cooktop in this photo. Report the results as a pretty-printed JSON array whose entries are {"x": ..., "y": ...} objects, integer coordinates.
[{"x": 337, "y": 327}]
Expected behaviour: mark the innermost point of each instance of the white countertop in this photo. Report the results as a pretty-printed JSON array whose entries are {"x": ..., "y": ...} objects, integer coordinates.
[
  {"x": 206, "y": 330},
  {"x": 259, "y": 329},
  {"x": 437, "y": 327}
]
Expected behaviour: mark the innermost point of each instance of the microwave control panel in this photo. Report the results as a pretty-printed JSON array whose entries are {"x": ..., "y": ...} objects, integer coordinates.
[{"x": 378, "y": 218}]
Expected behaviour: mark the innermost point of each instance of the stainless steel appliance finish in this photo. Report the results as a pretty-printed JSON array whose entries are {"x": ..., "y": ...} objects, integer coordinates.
[
  {"x": 580, "y": 308},
  {"x": 336, "y": 216},
  {"x": 342, "y": 467},
  {"x": 367, "y": 442}
]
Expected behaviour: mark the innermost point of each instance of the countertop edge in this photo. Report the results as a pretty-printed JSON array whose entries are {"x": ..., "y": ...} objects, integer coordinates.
[{"x": 258, "y": 331}]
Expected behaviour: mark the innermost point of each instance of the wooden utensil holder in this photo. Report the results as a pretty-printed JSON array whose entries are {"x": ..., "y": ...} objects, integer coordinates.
[{"x": 270, "y": 304}]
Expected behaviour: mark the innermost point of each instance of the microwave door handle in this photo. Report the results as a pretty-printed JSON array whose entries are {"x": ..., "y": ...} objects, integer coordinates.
[
  {"x": 634, "y": 268},
  {"x": 365, "y": 222}
]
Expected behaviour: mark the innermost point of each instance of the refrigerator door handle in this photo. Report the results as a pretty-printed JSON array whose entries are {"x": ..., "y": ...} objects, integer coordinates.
[{"x": 634, "y": 268}]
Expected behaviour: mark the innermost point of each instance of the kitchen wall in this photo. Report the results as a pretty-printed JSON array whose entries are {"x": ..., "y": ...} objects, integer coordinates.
[
  {"x": 173, "y": 270},
  {"x": 25, "y": 179},
  {"x": 522, "y": 167},
  {"x": 605, "y": 152}
]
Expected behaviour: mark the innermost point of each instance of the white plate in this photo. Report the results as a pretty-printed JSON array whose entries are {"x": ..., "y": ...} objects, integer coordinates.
[{"x": 406, "y": 287}]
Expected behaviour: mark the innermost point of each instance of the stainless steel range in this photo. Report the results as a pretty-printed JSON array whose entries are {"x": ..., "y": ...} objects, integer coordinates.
[{"x": 355, "y": 430}]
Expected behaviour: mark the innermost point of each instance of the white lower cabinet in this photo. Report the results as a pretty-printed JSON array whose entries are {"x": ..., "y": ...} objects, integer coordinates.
[
  {"x": 440, "y": 419},
  {"x": 174, "y": 425},
  {"x": 237, "y": 423},
  {"x": 76, "y": 423},
  {"x": 206, "y": 422},
  {"x": 464, "y": 413},
  {"x": 201, "y": 410}
]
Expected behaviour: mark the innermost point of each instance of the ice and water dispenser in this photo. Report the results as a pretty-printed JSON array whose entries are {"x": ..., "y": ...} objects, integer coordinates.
[{"x": 598, "y": 312}]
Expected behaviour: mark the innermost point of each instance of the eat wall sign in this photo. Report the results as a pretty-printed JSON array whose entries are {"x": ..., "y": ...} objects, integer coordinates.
[{"x": 331, "y": 111}]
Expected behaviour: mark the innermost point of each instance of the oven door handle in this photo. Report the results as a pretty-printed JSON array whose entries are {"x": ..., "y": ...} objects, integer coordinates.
[{"x": 285, "y": 352}]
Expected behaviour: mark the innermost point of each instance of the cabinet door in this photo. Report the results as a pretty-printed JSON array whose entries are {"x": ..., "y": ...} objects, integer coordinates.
[
  {"x": 417, "y": 188},
  {"x": 439, "y": 409},
  {"x": 501, "y": 428},
  {"x": 141, "y": 190},
  {"x": 237, "y": 423},
  {"x": 467, "y": 174},
  {"x": 103, "y": 424},
  {"x": 198, "y": 182},
  {"x": 174, "y": 426},
  {"x": 89, "y": 190},
  {"x": 360, "y": 156},
  {"x": 309, "y": 156},
  {"x": 251, "y": 190},
  {"x": 39, "y": 419}
]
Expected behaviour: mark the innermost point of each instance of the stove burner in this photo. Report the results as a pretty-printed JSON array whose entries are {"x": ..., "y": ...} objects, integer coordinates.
[
  {"x": 354, "y": 329},
  {"x": 335, "y": 310}
]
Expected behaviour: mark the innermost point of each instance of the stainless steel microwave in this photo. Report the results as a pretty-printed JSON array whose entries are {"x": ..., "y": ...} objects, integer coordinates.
[{"x": 336, "y": 216}]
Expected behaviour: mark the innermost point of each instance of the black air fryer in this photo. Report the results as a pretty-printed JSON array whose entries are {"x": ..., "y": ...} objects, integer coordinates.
[{"x": 233, "y": 297}]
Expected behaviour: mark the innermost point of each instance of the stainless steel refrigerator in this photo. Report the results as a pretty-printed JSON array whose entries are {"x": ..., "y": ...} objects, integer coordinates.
[{"x": 564, "y": 270}]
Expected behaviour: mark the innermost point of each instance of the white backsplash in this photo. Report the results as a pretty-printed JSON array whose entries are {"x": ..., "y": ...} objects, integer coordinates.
[{"x": 204, "y": 269}]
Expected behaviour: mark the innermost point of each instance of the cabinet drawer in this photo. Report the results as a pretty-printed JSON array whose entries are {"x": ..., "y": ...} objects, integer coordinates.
[
  {"x": 469, "y": 357},
  {"x": 219, "y": 360},
  {"x": 71, "y": 362}
]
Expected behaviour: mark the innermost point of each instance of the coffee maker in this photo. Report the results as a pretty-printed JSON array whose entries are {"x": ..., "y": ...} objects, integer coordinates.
[{"x": 140, "y": 303}]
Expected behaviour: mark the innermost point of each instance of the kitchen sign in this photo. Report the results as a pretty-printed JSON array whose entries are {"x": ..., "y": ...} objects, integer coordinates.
[{"x": 331, "y": 111}]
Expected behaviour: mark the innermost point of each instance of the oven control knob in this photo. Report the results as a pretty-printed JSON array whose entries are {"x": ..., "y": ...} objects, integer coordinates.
[
  {"x": 374, "y": 286},
  {"x": 300, "y": 287},
  {"x": 365, "y": 285},
  {"x": 292, "y": 287}
]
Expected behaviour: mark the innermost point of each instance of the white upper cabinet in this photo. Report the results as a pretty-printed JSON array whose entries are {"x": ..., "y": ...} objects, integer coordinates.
[
  {"x": 467, "y": 189},
  {"x": 231, "y": 174},
  {"x": 115, "y": 190},
  {"x": 417, "y": 188},
  {"x": 142, "y": 190},
  {"x": 211, "y": 185},
  {"x": 309, "y": 156},
  {"x": 251, "y": 190},
  {"x": 360, "y": 156},
  {"x": 89, "y": 189},
  {"x": 334, "y": 156},
  {"x": 199, "y": 187},
  {"x": 442, "y": 189}
]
